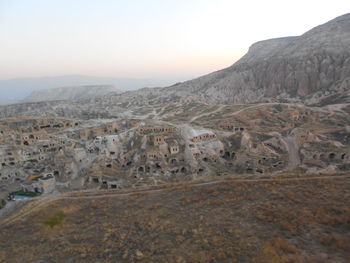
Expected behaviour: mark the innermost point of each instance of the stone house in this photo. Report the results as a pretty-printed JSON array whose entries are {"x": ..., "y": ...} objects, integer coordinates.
[
  {"x": 174, "y": 147},
  {"x": 295, "y": 115},
  {"x": 152, "y": 154},
  {"x": 5, "y": 131},
  {"x": 303, "y": 136},
  {"x": 9, "y": 156},
  {"x": 90, "y": 133},
  {"x": 40, "y": 183},
  {"x": 111, "y": 127},
  {"x": 31, "y": 154},
  {"x": 156, "y": 129},
  {"x": 158, "y": 140},
  {"x": 10, "y": 175},
  {"x": 226, "y": 126},
  {"x": 25, "y": 140},
  {"x": 203, "y": 136},
  {"x": 84, "y": 134},
  {"x": 197, "y": 135},
  {"x": 52, "y": 145}
]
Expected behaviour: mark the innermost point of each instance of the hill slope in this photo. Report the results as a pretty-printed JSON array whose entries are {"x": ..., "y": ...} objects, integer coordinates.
[
  {"x": 267, "y": 221},
  {"x": 304, "y": 68}
]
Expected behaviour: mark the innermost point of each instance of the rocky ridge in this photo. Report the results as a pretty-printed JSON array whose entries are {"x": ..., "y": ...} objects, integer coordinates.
[
  {"x": 307, "y": 68},
  {"x": 311, "y": 69}
]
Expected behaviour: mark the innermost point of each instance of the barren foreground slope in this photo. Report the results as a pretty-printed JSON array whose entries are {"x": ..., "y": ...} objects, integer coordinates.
[{"x": 304, "y": 220}]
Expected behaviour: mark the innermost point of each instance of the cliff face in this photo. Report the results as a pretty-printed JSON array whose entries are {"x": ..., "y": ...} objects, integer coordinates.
[{"x": 307, "y": 68}]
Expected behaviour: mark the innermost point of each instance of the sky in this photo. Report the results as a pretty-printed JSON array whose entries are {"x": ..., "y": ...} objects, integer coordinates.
[{"x": 153, "y": 39}]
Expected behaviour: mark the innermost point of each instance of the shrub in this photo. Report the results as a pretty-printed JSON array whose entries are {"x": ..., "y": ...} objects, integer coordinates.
[
  {"x": 2, "y": 203},
  {"x": 55, "y": 219}
]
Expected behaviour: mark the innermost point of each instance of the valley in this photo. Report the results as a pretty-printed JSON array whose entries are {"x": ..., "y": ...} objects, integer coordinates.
[{"x": 247, "y": 164}]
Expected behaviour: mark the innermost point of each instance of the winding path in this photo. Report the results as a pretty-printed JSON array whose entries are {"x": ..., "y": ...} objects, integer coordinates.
[{"x": 207, "y": 113}]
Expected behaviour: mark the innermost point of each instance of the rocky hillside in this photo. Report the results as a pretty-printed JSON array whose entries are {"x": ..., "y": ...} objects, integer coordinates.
[
  {"x": 312, "y": 69},
  {"x": 70, "y": 93},
  {"x": 306, "y": 68}
]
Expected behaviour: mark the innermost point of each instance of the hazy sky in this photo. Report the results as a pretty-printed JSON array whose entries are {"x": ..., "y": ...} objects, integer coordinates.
[{"x": 144, "y": 38}]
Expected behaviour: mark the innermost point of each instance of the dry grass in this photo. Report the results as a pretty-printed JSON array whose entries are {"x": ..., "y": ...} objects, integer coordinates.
[{"x": 295, "y": 221}]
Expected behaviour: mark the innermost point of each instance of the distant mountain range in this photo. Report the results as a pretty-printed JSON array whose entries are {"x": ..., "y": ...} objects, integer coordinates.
[
  {"x": 70, "y": 93},
  {"x": 15, "y": 90}
]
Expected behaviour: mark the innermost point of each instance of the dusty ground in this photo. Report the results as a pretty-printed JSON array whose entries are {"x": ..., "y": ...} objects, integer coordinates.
[{"x": 237, "y": 221}]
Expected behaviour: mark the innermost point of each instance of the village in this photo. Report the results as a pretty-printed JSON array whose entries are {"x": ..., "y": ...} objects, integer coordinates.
[{"x": 54, "y": 154}]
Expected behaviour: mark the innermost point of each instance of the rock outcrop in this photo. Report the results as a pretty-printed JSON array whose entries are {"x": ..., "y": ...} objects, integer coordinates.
[{"x": 306, "y": 68}]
